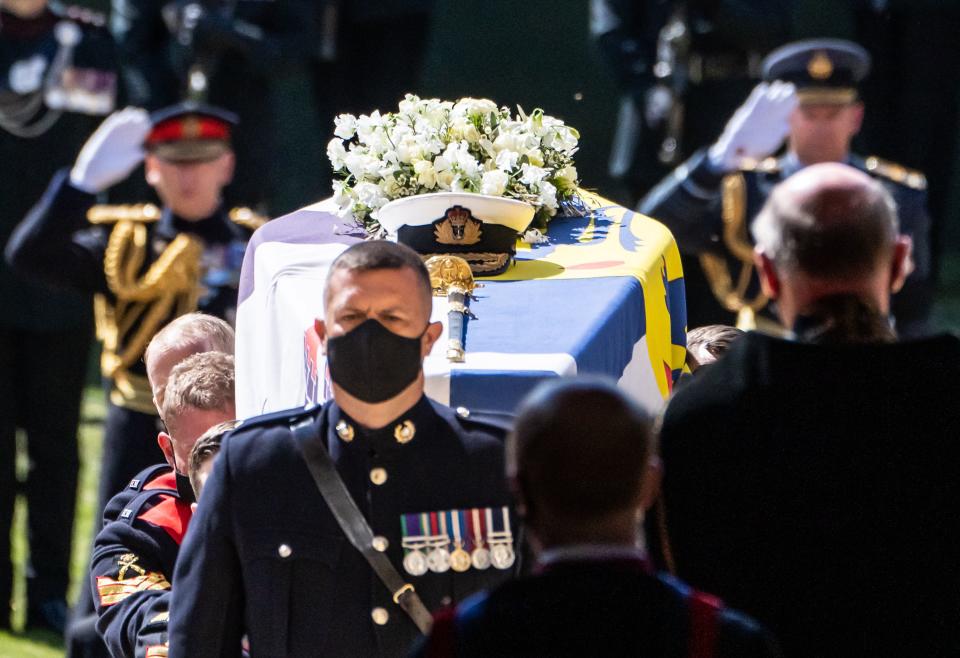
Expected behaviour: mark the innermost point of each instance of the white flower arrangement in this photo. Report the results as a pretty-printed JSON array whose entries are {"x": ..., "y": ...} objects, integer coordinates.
[{"x": 430, "y": 145}]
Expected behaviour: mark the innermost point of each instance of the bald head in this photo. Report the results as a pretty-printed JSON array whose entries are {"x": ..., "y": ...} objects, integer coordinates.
[{"x": 828, "y": 221}]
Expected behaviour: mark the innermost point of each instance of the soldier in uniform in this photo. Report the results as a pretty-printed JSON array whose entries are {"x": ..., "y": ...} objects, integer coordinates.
[
  {"x": 57, "y": 81},
  {"x": 270, "y": 556},
  {"x": 594, "y": 593},
  {"x": 147, "y": 265},
  {"x": 135, "y": 552},
  {"x": 810, "y": 98}
]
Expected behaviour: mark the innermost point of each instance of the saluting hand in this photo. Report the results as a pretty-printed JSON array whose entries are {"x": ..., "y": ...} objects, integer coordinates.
[
  {"x": 112, "y": 152},
  {"x": 757, "y": 128}
]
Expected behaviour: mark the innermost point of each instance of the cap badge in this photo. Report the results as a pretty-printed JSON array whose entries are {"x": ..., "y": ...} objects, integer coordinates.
[
  {"x": 191, "y": 128},
  {"x": 458, "y": 226},
  {"x": 820, "y": 67},
  {"x": 344, "y": 431}
]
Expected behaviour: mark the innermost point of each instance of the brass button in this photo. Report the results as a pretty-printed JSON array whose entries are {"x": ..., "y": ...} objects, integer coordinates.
[
  {"x": 380, "y": 616},
  {"x": 405, "y": 431},
  {"x": 284, "y": 550},
  {"x": 378, "y": 476},
  {"x": 380, "y": 543},
  {"x": 344, "y": 431}
]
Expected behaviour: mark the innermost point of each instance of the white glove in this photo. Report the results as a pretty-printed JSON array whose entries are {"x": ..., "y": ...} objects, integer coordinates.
[
  {"x": 757, "y": 128},
  {"x": 112, "y": 151}
]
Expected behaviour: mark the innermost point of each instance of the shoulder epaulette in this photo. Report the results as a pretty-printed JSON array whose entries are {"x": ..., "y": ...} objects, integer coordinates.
[
  {"x": 766, "y": 166},
  {"x": 144, "y": 477},
  {"x": 85, "y": 15},
  {"x": 131, "y": 511},
  {"x": 107, "y": 214},
  {"x": 485, "y": 420},
  {"x": 247, "y": 218},
  {"x": 284, "y": 417},
  {"x": 897, "y": 173}
]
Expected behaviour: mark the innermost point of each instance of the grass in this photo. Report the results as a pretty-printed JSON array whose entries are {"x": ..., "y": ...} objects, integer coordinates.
[{"x": 42, "y": 644}]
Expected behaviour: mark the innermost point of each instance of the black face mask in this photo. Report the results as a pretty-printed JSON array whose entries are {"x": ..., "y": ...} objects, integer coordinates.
[
  {"x": 184, "y": 488},
  {"x": 372, "y": 363}
]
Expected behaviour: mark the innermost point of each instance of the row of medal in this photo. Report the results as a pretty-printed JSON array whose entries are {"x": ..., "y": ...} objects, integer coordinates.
[{"x": 458, "y": 540}]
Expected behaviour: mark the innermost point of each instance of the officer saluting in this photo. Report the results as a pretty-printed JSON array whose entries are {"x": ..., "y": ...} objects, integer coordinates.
[
  {"x": 809, "y": 98},
  {"x": 147, "y": 265},
  {"x": 319, "y": 529}
]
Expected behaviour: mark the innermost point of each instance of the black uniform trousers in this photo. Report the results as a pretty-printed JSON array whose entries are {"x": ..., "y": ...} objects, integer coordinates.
[{"x": 41, "y": 382}]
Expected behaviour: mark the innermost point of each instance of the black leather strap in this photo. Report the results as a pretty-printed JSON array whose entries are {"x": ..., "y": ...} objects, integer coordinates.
[{"x": 354, "y": 525}]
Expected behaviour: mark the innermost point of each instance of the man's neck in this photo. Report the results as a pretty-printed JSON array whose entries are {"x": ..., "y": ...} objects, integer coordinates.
[{"x": 376, "y": 415}]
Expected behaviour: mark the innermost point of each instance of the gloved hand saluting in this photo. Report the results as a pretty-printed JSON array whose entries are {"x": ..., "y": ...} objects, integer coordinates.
[
  {"x": 112, "y": 151},
  {"x": 757, "y": 128}
]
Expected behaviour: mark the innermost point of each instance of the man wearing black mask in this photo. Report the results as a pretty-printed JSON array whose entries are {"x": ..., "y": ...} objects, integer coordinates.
[{"x": 335, "y": 529}]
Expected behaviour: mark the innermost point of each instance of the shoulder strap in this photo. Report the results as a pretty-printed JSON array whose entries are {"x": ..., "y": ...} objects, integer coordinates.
[
  {"x": 354, "y": 525},
  {"x": 704, "y": 615}
]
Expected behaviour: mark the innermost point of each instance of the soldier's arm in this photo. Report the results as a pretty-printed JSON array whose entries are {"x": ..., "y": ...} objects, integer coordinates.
[
  {"x": 688, "y": 202},
  {"x": 912, "y": 305},
  {"x": 51, "y": 245},
  {"x": 128, "y": 583},
  {"x": 206, "y": 609}
]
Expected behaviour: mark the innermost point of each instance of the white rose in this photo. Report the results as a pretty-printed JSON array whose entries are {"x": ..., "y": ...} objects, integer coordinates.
[
  {"x": 531, "y": 175},
  {"x": 370, "y": 195},
  {"x": 507, "y": 141},
  {"x": 494, "y": 183},
  {"x": 474, "y": 107},
  {"x": 336, "y": 152},
  {"x": 548, "y": 196},
  {"x": 445, "y": 179},
  {"x": 426, "y": 174},
  {"x": 346, "y": 126},
  {"x": 507, "y": 160}
]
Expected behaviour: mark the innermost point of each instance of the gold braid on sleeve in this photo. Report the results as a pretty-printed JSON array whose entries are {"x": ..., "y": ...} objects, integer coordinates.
[
  {"x": 734, "y": 209},
  {"x": 170, "y": 287}
]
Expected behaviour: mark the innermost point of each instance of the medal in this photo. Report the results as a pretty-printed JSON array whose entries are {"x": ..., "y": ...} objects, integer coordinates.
[
  {"x": 438, "y": 560},
  {"x": 415, "y": 563},
  {"x": 501, "y": 541},
  {"x": 479, "y": 556},
  {"x": 502, "y": 555},
  {"x": 459, "y": 559}
]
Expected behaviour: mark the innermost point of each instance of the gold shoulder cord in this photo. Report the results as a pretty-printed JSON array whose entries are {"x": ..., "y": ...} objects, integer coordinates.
[
  {"x": 170, "y": 286},
  {"x": 734, "y": 213},
  {"x": 246, "y": 218}
]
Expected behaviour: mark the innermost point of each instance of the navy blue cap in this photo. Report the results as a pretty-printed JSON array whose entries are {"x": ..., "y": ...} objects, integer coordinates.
[
  {"x": 823, "y": 70},
  {"x": 190, "y": 131}
]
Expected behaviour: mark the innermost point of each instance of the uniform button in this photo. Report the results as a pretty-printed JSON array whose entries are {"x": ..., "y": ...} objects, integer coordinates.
[
  {"x": 380, "y": 616},
  {"x": 378, "y": 476},
  {"x": 380, "y": 543},
  {"x": 284, "y": 550},
  {"x": 463, "y": 412}
]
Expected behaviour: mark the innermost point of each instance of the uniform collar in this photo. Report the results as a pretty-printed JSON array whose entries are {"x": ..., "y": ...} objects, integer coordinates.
[
  {"x": 592, "y": 553},
  {"x": 408, "y": 429},
  {"x": 215, "y": 228},
  {"x": 790, "y": 164}
]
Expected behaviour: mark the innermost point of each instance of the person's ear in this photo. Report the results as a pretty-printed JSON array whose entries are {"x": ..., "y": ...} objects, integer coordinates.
[
  {"x": 430, "y": 336},
  {"x": 151, "y": 170},
  {"x": 165, "y": 441},
  {"x": 856, "y": 118},
  {"x": 229, "y": 166},
  {"x": 902, "y": 263},
  {"x": 767, "y": 272},
  {"x": 320, "y": 327},
  {"x": 650, "y": 485}
]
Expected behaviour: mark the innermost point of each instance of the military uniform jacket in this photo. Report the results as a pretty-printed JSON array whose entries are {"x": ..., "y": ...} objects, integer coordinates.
[
  {"x": 52, "y": 96},
  {"x": 602, "y": 608},
  {"x": 133, "y": 560},
  {"x": 710, "y": 214},
  {"x": 146, "y": 265},
  {"x": 265, "y": 555},
  {"x": 814, "y": 487}
]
